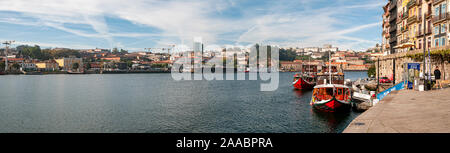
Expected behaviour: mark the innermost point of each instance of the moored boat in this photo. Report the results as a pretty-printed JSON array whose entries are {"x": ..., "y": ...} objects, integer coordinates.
[
  {"x": 75, "y": 72},
  {"x": 331, "y": 94},
  {"x": 304, "y": 82},
  {"x": 307, "y": 79},
  {"x": 33, "y": 73},
  {"x": 331, "y": 97}
]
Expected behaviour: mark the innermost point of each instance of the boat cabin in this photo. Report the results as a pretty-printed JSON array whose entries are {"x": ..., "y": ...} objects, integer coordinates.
[
  {"x": 337, "y": 78},
  {"x": 309, "y": 68},
  {"x": 334, "y": 69},
  {"x": 327, "y": 92}
]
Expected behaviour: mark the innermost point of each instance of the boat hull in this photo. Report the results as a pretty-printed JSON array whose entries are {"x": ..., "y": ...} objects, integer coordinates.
[
  {"x": 301, "y": 84},
  {"x": 332, "y": 105}
]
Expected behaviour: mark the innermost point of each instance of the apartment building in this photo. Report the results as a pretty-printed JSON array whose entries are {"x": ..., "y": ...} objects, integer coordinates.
[
  {"x": 414, "y": 24},
  {"x": 417, "y": 25},
  {"x": 385, "y": 46},
  {"x": 392, "y": 25},
  {"x": 440, "y": 22}
]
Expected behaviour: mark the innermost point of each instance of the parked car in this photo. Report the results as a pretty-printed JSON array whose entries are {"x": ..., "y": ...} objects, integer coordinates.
[{"x": 385, "y": 80}]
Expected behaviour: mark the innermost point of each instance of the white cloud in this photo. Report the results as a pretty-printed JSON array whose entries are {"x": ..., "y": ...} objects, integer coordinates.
[{"x": 180, "y": 21}]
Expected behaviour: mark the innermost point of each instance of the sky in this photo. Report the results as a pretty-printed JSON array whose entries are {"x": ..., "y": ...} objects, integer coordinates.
[{"x": 138, "y": 24}]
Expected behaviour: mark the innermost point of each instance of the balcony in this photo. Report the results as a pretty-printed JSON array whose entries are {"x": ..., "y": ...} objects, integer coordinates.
[
  {"x": 412, "y": 19},
  {"x": 435, "y": 2},
  {"x": 419, "y": 33},
  {"x": 404, "y": 41},
  {"x": 440, "y": 34},
  {"x": 428, "y": 14},
  {"x": 392, "y": 29},
  {"x": 405, "y": 16},
  {"x": 392, "y": 6},
  {"x": 404, "y": 29},
  {"x": 428, "y": 31},
  {"x": 392, "y": 18},
  {"x": 412, "y": 3},
  {"x": 440, "y": 17},
  {"x": 392, "y": 40}
]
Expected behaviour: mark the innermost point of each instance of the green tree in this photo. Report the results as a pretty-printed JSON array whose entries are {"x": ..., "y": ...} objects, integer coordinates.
[
  {"x": 60, "y": 53},
  {"x": 163, "y": 65},
  {"x": 75, "y": 66},
  {"x": 88, "y": 66},
  {"x": 129, "y": 63},
  {"x": 33, "y": 52},
  {"x": 122, "y": 51},
  {"x": 16, "y": 66},
  {"x": 287, "y": 54},
  {"x": 115, "y": 50},
  {"x": 303, "y": 57},
  {"x": 371, "y": 71},
  {"x": 2, "y": 66}
]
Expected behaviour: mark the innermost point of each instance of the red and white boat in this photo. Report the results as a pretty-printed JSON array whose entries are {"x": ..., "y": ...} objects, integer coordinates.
[
  {"x": 304, "y": 82},
  {"x": 307, "y": 79},
  {"x": 331, "y": 97},
  {"x": 331, "y": 94}
]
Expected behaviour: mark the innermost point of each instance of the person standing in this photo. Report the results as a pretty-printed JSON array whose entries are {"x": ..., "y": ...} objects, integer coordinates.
[{"x": 437, "y": 76}]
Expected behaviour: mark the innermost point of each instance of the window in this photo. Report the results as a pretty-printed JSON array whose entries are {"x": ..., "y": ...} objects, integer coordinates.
[
  {"x": 443, "y": 28},
  {"x": 444, "y": 8},
  {"x": 436, "y": 10},
  {"x": 436, "y": 42},
  {"x": 420, "y": 44},
  {"x": 442, "y": 41},
  {"x": 436, "y": 30}
]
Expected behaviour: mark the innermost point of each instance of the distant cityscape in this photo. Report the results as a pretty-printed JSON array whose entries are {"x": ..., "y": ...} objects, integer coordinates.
[{"x": 25, "y": 59}]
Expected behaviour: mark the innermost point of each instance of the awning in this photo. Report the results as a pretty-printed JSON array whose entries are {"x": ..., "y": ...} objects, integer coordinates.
[{"x": 405, "y": 45}]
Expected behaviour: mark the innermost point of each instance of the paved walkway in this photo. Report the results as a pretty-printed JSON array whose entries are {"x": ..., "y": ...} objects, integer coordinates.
[{"x": 406, "y": 111}]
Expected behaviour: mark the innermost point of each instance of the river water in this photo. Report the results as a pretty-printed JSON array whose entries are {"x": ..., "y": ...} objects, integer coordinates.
[{"x": 155, "y": 103}]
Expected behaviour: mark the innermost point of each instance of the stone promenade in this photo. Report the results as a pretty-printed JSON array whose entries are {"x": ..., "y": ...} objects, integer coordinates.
[{"x": 406, "y": 111}]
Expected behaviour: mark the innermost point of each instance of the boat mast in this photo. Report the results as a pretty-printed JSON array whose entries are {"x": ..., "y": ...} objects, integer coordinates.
[
  {"x": 329, "y": 66},
  {"x": 309, "y": 64}
]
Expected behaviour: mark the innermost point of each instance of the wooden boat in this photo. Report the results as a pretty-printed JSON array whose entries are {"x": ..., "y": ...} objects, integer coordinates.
[
  {"x": 331, "y": 94},
  {"x": 331, "y": 98},
  {"x": 307, "y": 79},
  {"x": 304, "y": 82}
]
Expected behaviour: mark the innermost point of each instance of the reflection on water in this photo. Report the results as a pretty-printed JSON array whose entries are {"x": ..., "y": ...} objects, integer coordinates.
[
  {"x": 332, "y": 120},
  {"x": 156, "y": 103},
  {"x": 300, "y": 93}
]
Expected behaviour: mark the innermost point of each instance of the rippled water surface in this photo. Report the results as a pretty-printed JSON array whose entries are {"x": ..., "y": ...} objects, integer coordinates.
[{"x": 155, "y": 103}]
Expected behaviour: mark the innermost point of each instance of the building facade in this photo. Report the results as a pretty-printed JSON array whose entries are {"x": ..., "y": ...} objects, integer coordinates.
[
  {"x": 66, "y": 64},
  {"x": 414, "y": 26},
  {"x": 440, "y": 22},
  {"x": 50, "y": 65}
]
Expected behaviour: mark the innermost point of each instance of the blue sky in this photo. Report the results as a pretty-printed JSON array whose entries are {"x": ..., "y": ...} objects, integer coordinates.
[{"x": 139, "y": 24}]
